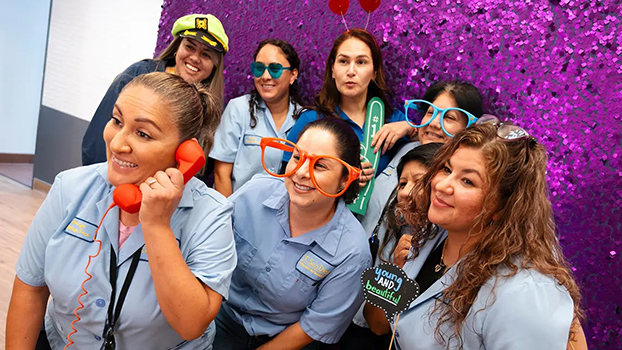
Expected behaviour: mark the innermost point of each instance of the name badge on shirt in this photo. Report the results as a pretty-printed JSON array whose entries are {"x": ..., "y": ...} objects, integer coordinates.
[
  {"x": 313, "y": 266},
  {"x": 81, "y": 229},
  {"x": 388, "y": 171},
  {"x": 251, "y": 140}
]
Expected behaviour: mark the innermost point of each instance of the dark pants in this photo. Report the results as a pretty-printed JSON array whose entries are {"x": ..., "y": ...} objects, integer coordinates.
[
  {"x": 359, "y": 338},
  {"x": 42, "y": 342},
  {"x": 231, "y": 335}
]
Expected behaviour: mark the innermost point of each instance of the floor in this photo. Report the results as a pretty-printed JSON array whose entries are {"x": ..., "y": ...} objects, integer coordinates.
[
  {"x": 18, "y": 205},
  {"x": 20, "y": 172}
]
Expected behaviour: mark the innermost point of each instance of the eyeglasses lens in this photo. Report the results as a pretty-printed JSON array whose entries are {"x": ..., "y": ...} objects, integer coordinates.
[
  {"x": 417, "y": 111},
  {"x": 324, "y": 168},
  {"x": 274, "y": 69},
  {"x": 274, "y": 149}
]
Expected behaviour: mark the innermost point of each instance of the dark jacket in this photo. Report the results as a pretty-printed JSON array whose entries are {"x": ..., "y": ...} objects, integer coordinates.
[{"x": 93, "y": 145}]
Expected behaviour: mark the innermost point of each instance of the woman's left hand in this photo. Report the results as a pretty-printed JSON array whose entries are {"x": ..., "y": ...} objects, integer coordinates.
[
  {"x": 388, "y": 135},
  {"x": 366, "y": 174},
  {"x": 161, "y": 195}
]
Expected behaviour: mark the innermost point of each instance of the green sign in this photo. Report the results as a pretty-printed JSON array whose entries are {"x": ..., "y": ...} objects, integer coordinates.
[{"x": 373, "y": 122}]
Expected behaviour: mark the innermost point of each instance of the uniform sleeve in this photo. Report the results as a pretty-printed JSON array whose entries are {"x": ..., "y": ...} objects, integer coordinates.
[
  {"x": 529, "y": 316},
  {"x": 337, "y": 301},
  {"x": 212, "y": 257},
  {"x": 304, "y": 119},
  {"x": 31, "y": 262},
  {"x": 93, "y": 145},
  {"x": 229, "y": 132}
]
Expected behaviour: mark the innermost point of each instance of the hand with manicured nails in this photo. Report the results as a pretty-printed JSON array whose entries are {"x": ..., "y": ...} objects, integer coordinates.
[
  {"x": 160, "y": 199},
  {"x": 388, "y": 135},
  {"x": 366, "y": 174},
  {"x": 402, "y": 250}
]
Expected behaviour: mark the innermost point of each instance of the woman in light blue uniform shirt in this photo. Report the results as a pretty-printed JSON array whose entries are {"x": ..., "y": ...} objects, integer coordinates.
[
  {"x": 180, "y": 243},
  {"x": 268, "y": 111},
  {"x": 386, "y": 234},
  {"x": 300, "y": 252},
  {"x": 437, "y": 122},
  {"x": 442, "y": 95},
  {"x": 496, "y": 278},
  {"x": 354, "y": 74}
]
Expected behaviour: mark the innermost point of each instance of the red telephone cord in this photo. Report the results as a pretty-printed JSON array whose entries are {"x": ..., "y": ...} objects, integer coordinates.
[{"x": 75, "y": 312}]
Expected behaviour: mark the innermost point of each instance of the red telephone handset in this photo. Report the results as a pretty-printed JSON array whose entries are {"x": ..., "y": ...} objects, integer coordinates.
[{"x": 190, "y": 159}]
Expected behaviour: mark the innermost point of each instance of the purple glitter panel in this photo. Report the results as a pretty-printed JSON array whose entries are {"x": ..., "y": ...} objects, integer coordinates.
[{"x": 553, "y": 67}]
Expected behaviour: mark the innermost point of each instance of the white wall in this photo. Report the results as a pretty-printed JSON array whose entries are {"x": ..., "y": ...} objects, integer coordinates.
[
  {"x": 23, "y": 34},
  {"x": 90, "y": 43}
]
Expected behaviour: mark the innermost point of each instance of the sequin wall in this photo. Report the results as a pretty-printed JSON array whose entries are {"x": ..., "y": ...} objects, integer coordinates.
[{"x": 554, "y": 67}]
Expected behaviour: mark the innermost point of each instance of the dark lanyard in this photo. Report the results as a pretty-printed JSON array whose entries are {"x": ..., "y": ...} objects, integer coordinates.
[{"x": 112, "y": 321}]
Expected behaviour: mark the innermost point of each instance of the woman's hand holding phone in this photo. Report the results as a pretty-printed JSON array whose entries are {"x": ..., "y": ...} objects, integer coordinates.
[{"x": 160, "y": 196}]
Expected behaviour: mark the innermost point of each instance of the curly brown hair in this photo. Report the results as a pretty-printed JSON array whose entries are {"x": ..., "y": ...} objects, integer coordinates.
[{"x": 515, "y": 226}]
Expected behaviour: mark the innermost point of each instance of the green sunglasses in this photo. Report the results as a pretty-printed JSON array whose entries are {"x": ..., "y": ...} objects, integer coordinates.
[{"x": 275, "y": 69}]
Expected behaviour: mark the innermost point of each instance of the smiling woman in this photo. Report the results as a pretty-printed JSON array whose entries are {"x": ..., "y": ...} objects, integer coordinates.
[
  {"x": 497, "y": 276},
  {"x": 174, "y": 258},
  {"x": 196, "y": 54},
  {"x": 268, "y": 111},
  {"x": 300, "y": 250}
]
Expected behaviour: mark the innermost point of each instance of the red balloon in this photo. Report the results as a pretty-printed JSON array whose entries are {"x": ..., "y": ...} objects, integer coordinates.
[
  {"x": 339, "y": 7},
  {"x": 369, "y": 5}
]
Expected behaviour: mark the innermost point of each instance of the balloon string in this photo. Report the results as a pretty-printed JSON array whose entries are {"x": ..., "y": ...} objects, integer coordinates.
[
  {"x": 366, "y": 23},
  {"x": 394, "y": 329},
  {"x": 344, "y": 21}
]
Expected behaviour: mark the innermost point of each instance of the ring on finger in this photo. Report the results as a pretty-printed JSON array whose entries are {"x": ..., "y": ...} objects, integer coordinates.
[{"x": 151, "y": 182}]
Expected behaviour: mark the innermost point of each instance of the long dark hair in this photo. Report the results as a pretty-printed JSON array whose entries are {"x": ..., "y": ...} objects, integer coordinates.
[
  {"x": 294, "y": 61},
  {"x": 424, "y": 155},
  {"x": 329, "y": 97}
]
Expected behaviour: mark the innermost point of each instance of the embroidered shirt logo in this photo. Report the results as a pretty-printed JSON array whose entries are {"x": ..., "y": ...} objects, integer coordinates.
[
  {"x": 253, "y": 140},
  {"x": 81, "y": 229},
  {"x": 313, "y": 266}
]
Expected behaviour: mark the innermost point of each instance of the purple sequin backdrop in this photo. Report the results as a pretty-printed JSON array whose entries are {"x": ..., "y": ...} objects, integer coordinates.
[{"x": 553, "y": 67}]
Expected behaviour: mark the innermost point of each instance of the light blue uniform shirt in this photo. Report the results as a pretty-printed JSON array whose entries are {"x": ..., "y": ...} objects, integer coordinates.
[
  {"x": 383, "y": 187},
  {"x": 308, "y": 116},
  {"x": 280, "y": 280},
  {"x": 526, "y": 311},
  {"x": 60, "y": 240},
  {"x": 236, "y": 142}
]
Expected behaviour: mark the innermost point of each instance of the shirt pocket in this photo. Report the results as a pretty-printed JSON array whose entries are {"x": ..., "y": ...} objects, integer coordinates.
[
  {"x": 245, "y": 251},
  {"x": 298, "y": 291}
]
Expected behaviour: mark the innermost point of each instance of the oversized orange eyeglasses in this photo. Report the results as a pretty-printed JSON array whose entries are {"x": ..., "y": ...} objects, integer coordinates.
[{"x": 317, "y": 163}]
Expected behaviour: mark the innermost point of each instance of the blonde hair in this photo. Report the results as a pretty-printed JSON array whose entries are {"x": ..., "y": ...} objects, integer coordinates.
[{"x": 516, "y": 222}]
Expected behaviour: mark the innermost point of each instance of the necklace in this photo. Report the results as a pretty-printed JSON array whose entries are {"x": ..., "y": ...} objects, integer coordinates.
[{"x": 441, "y": 265}]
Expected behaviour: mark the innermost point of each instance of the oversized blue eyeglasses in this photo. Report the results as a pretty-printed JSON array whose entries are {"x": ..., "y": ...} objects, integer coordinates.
[
  {"x": 275, "y": 69},
  {"x": 420, "y": 113}
]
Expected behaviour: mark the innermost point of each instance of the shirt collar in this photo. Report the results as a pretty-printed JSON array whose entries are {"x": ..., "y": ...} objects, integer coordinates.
[
  {"x": 327, "y": 236},
  {"x": 290, "y": 111}
]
